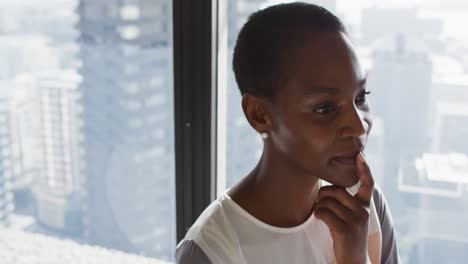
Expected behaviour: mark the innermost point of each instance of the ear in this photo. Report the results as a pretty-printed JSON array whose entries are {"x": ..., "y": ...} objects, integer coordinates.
[{"x": 257, "y": 112}]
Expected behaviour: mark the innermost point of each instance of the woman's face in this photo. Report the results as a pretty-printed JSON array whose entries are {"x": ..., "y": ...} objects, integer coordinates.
[{"x": 320, "y": 118}]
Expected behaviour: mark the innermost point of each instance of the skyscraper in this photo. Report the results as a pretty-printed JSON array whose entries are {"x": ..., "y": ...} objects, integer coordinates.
[
  {"x": 401, "y": 82},
  {"x": 58, "y": 190},
  {"x": 450, "y": 114},
  {"x": 451, "y": 128},
  {"x": 26, "y": 143},
  {"x": 41, "y": 125},
  {"x": 126, "y": 53},
  {"x": 6, "y": 197}
]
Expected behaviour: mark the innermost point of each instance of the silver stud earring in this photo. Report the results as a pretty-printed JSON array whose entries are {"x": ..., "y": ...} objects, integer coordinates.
[{"x": 264, "y": 135}]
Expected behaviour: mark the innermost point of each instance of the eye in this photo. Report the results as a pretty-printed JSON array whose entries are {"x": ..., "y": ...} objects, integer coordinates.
[
  {"x": 362, "y": 98},
  {"x": 325, "y": 108}
]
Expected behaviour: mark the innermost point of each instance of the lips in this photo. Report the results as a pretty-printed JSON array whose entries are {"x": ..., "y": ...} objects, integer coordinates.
[{"x": 346, "y": 159}]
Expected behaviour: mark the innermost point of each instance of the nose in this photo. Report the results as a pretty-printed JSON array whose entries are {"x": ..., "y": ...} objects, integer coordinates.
[{"x": 354, "y": 123}]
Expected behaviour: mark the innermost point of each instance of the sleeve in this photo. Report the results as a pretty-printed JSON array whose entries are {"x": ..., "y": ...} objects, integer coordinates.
[
  {"x": 389, "y": 245},
  {"x": 374, "y": 223},
  {"x": 189, "y": 252}
]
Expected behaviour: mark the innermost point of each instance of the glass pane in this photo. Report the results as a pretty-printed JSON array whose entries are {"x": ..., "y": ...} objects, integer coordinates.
[
  {"x": 86, "y": 127},
  {"x": 418, "y": 148}
]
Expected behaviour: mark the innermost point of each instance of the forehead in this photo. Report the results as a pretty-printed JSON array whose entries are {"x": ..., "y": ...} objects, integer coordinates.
[{"x": 325, "y": 60}]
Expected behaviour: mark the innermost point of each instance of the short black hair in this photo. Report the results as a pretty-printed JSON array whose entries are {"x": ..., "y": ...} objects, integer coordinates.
[{"x": 267, "y": 38}]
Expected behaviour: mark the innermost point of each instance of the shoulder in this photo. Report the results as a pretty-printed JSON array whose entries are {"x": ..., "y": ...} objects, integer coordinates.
[
  {"x": 189, "y": 252},
  {"x": 213, "y": 223},
  {"x": 380, "y": 202},
  {"x": 212, "y": 237},
  {"x": 383, "y": 212},
  {"x": 389, "y": 245}
]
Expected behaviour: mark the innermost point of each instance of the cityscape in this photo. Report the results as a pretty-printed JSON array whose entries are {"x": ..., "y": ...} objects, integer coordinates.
[{"x": 87, "y": 136}]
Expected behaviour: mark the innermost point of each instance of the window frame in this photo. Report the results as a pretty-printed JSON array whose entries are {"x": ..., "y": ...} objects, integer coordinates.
[{"x": 195, "y": 100}]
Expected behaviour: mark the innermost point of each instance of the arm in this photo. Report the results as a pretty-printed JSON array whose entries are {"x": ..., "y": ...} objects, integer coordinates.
[
  {"x": 189, "y": 252},
  {"x": 389, "y": 245}
]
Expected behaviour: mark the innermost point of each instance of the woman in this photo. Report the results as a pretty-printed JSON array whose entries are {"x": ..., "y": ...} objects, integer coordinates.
[{"x": 304, "y": 91}]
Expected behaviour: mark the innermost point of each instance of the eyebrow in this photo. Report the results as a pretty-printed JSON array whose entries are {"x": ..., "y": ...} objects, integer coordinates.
[{"x": 332, "y": 90}]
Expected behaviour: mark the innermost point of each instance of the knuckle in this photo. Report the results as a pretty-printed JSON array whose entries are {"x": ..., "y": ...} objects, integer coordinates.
[
  {"x": 321, "y": 214},
  {"x": 319, "y": 211},
  {"x": 328, "y": 201},
  {"x": 324, "y": 189}
]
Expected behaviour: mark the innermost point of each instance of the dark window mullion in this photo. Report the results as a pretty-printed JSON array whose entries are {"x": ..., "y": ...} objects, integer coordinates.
[{"x": 193, "y": 101}]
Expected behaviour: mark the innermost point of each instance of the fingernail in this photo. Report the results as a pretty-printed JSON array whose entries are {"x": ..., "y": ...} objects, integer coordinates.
[{"x": 361, "y": 157}]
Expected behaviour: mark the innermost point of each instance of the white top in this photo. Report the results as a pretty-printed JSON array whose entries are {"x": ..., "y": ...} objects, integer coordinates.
[{"x": 228, "y": 234}]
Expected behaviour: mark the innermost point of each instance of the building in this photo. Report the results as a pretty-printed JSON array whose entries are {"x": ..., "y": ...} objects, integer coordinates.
[
  {"x": 374, "y": 150},
  {"x": 6, "y": 196},
  {"x": 26, "y": 143},
  {"x": 24, "y": 246},
  {"x": 450, "y": 128},
  {"x": 431, "y": 223},
  {"x": 401, "y": 83},
  {"x": 451, "y": 112},
  {"x": 128, "y": 135},
  {"x": 58, "y": 188}
]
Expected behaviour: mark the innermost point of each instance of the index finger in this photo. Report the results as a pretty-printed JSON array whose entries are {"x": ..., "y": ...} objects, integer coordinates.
[{"x": 364, "y": 194}]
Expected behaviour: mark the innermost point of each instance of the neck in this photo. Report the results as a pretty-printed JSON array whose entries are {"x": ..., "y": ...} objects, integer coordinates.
[{"x": 277, "y": 192}]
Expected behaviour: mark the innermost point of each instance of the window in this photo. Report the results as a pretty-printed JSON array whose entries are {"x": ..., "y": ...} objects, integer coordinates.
[
  {"x": 87, "y": 128},
  {"x": 417, "y": 61},
  {"x": 73, "y": 73}
]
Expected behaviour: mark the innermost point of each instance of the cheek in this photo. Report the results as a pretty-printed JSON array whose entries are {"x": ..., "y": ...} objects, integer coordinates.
[
  {"x": 317, "y": 141},
  {"x": 317, "y": 148},
  {"x": 302, "y": 139},
  {"x": 308, "y": 141}
]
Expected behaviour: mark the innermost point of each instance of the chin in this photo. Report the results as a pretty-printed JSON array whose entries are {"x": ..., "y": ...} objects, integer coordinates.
[{"x": 351, "y": 183}]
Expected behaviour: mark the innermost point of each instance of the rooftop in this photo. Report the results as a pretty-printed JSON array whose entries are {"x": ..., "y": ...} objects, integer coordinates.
[{"x": 18, "y": 247}]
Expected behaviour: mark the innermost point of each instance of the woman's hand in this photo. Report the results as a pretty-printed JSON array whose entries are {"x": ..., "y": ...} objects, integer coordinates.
[{"x": 347, "y": 216}]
